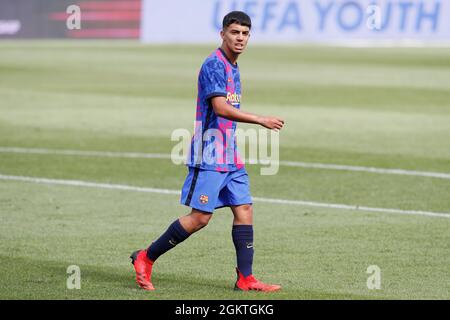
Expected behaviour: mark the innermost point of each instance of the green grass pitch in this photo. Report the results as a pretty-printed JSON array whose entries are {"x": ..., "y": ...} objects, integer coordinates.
[{"x": 373, "y": 107}]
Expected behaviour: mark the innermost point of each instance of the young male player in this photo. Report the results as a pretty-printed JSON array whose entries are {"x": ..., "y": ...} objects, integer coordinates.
[{"x": 216, "y": 178}]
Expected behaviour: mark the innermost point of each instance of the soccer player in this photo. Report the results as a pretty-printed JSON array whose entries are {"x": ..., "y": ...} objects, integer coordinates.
[{"x": 216, "y": 178}]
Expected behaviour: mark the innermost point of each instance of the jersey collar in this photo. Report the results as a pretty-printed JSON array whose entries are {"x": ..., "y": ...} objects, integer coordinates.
[{"x": 223, "y": 53}]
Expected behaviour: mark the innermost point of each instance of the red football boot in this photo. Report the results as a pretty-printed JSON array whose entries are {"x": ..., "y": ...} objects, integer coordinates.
[
  {"x": 143, "y": 267},
  {"x": 251, "y": 283}
]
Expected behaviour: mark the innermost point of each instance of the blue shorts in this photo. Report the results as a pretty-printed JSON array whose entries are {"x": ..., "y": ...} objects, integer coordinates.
[{"x": 206, "y": 190}]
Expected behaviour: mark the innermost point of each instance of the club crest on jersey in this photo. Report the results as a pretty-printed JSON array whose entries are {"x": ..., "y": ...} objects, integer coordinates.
[
  {"x": 203, "y": 199},
  {"x": 233, "y": 98}
]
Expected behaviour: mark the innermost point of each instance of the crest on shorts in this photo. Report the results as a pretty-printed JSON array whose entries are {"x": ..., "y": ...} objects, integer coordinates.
[{"x": 203, "y": 199}]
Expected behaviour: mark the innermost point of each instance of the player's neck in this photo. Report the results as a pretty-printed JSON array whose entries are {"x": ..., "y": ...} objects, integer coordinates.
[{"x": 230, "y": 55}]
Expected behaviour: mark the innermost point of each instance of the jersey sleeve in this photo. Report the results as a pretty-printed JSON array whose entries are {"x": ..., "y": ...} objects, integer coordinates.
[{"x": 212, "y": 79}]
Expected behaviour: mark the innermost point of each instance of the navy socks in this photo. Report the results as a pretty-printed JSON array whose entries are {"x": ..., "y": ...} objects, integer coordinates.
[
  {"x": 174, "y": 235},
  {"x": 243, "y": 242}
]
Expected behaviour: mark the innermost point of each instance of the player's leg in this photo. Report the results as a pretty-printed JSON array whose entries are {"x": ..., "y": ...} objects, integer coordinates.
[
  {"x": 236, "y": 195},
  {"x": 176, "y": 233},
  {"x": 243, "y": 242},
  {"x": 197, "y": 193},
  {"x": 242, "y": 234},
  {"x": 195, "y": 221},
  {"x": 200, "y": 192}
]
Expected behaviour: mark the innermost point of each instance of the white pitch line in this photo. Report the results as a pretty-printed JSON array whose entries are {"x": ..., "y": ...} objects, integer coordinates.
[
  {"x": 108, "y": 154},
  {"x": 309, "y": 165},
  {"x": 79, "y": 183},
  {"x": 367, "y": 169},
  {"x": 353, "y": 207}
]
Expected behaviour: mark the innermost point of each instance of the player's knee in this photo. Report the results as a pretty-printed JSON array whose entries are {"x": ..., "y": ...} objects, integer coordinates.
[
  {"x": 201, "y": 219},
  {"x": 247, "y": 209},
  {"x": 243, "y": 214}
]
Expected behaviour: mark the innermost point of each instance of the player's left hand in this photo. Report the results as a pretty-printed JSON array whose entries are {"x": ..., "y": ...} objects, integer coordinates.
[{"x": 273, "y": 123}]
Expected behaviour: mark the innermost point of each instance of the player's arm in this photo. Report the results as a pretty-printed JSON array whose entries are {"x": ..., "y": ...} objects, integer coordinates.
[{"x": 224, "y": 110}]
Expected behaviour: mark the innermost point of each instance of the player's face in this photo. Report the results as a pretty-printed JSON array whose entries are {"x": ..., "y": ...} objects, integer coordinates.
[{"x": 235, "y": 37}]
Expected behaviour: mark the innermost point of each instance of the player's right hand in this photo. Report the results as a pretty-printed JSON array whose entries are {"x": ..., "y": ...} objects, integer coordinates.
[{"x": 273, "y": 123}]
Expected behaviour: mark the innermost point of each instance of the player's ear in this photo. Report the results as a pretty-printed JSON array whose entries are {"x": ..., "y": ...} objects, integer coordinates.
[{"x": 222, "y": 34}]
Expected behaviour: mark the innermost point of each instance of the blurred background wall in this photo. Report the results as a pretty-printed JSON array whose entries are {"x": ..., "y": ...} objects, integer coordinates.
[
  {"x": 294, "y": 21},
  {"x": 107, "y": 19},
  {"x": 198, "y": 21}
]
